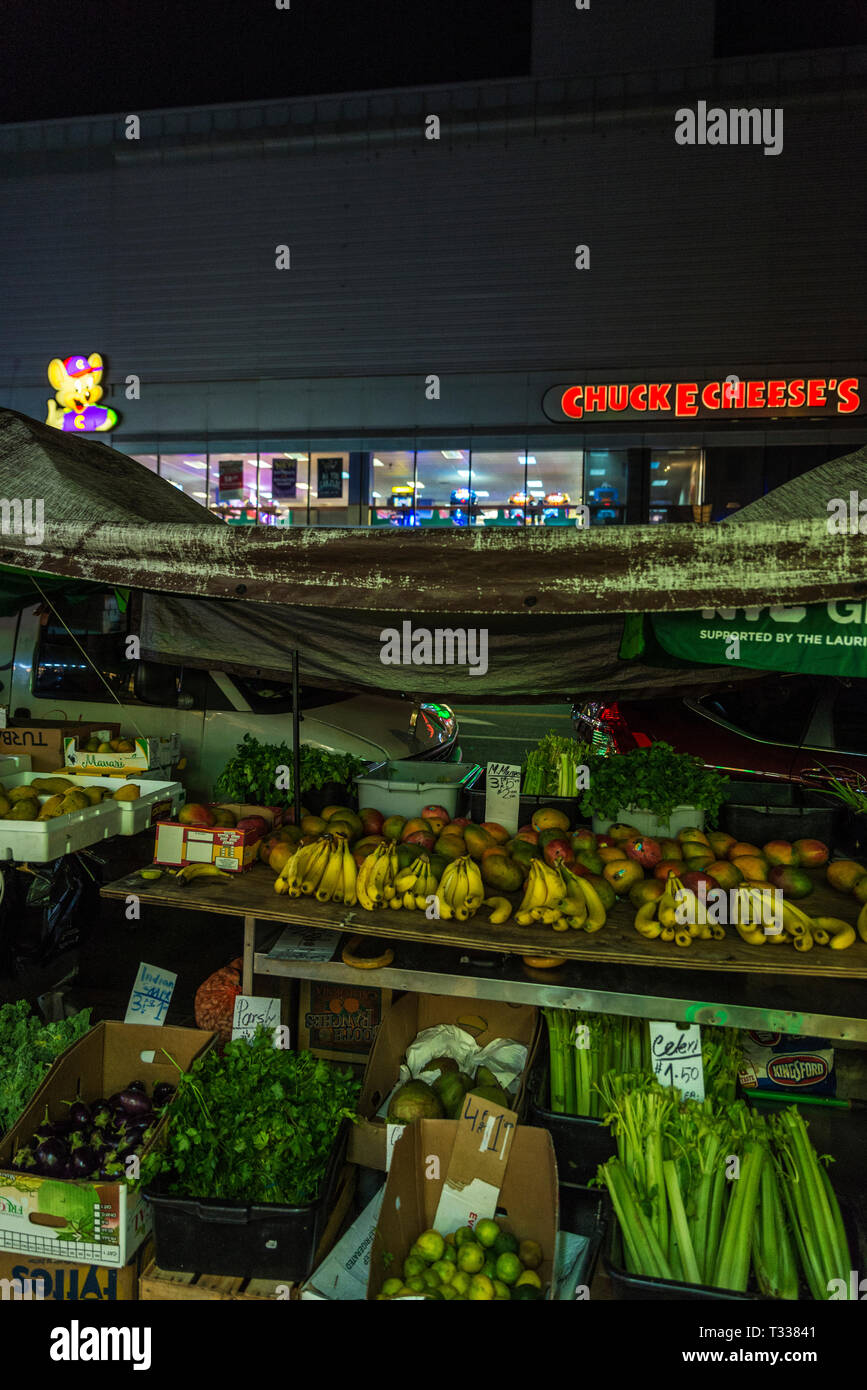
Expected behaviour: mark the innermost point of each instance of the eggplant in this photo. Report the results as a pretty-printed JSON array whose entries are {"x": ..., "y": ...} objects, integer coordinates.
[
  {"x": 137, "y": 1086},
  {"x": 25, "y": 1159},
  {"x": 101, "y": 1114},
  {"x": 83, "y": 1163},
  {"x": 80, "y": 1115},
  {"x": 52, "y": 1157},
  {"x": 163, "y": 1092},
  {"x": 134, "y": 1103}
]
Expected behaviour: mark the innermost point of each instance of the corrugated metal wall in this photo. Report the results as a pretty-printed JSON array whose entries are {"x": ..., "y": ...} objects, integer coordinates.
[{"x": 445, "y": 257}]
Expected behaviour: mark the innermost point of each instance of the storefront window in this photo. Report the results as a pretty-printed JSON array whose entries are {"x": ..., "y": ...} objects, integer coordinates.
[
  {"x": 676, "y": 484},
  {"x": 187, "y": 472},
  {"x": 232, "y": 486},
  {"x": 442, "y": 483},
  {"x": 498, "y": 484},
  {"x": 606, "y": 477},
  {"x": 392, "y": 487},
  {"x": 328, "y": 491},
  {"x": 283, "y": 489},
  {"x": 148, "y": 461}
]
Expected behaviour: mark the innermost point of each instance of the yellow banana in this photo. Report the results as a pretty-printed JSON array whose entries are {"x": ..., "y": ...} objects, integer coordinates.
[
  {"x": 315, "y": 868},
  {"x": 842, "y": 933},
  {"x": 350, "y": 874},
  {"x": 535, "y": 889},
  {"x": 448, "y": 883},
  {"x": 682, "y": 938},
  {"x": 803, "y": 943},
  {"x": 445, "y": 909},
  {"x": 502, "y": 910},
  {"x": 667, "y": 934},
  {"x": 647, "y": 924},
  {"x": 523, "y": 918},
  {"x": 190, "y": 871},
  {"x": 861, "y": 924},
  {"x": 795, "y": 922},
  {"x": 575, "y": 909},
  {"x": 461, "y": 889},
  {"x": 595, "y": 907},
  {"x": 381, "y": 890},
  {"x": 327, "y": 885},
  {"x": 364, "y": 882},
  {"x": 554, "y": 890},
  {"x": 408, "y": 899},
  {"x": 476, "y": 895}
]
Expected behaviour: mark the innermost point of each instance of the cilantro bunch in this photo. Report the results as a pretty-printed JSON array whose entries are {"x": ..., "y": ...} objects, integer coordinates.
[
  {"x": 652, "y": 779},
  {"x": 251, "y": 775},
  {"x": 254, "y": 1123},
  {"x": 27, "y": 1049}
]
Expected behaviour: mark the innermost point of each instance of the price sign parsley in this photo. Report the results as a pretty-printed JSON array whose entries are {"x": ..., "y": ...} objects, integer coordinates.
[{"x": 254, "y": 1123}]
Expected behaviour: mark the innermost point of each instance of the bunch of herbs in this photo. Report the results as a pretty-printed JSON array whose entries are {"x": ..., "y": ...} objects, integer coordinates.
[
  {"x": 251, "y": 776},
  {"x": 655, "y": 779},
  {"x": 27, "y": 1049}
]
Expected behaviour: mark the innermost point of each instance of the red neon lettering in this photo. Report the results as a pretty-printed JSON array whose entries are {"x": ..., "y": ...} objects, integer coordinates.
[
  {"x": 710, "y": 396},
  {"x": 796, "y": 391},
  {"x": 638, "y": 398},
  {"x": 618, "y": 397},
  {"x": 755, "y": 395},
  {"x": 658, "y": 395},
  {"x": 569, "y": 402},
  {"x": 848, "y": 398},
  {"x": 685, "y": 393},
  {"x": 733, "y": 395},
  {"x": 816, "y": 392},
  {"x": 595, "y": 398},
  {"x": 776, "y": 394}
]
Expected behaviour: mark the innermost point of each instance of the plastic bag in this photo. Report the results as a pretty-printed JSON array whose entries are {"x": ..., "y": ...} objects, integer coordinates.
[{"x": 47, "y": 911}]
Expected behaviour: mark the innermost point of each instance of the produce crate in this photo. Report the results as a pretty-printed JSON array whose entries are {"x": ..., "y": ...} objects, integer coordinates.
[
  {"x": 38, "y": 842},
  {"x": 148, "y": 753},
  {"x": 526, "y": 805},
  {"x": 756, "y": 812},
  {"x": 160, "y": 1285},
  {"x": 261, "y": 1241},
  {"x": 580, "y": 1142},
  {"x": 156, "y": 800},
  {"x": 647, "y": 823},
  {"x": 61, "y": 1281},
  {"x": 404, "y": 788}
]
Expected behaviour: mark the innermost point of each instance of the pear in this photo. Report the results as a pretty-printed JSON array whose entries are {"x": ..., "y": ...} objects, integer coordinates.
[{"x": 105, "y": 748}]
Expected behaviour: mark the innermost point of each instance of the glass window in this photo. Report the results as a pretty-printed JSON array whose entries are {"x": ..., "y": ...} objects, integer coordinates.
[
  {"x": 442, "y": 485},
  {"x": 328, "y": 491},
  {"x": 850, "y": 718},
  {"x": 774, "y": 711},
  {"x": 392, "y": 487},
  {"x": 149, "y": 461},
  {"x": 187, "y": 472},
  {"x": 676, "y": 483},
  {"x": 283, "y": 488},
  {"x": 606, "y": 478},
  {"x": 499, "y": 485},
  {"x": 233, "y": 486}
]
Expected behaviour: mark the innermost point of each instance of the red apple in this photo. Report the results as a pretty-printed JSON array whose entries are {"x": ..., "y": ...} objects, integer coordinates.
[{"x": 644, "y": 850}]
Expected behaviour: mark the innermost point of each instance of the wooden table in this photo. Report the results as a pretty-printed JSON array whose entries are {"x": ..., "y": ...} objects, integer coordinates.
[{"x": 613, "y": 970}]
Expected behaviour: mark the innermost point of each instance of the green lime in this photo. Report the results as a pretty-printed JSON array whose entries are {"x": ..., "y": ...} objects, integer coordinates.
[
  {"x": 501, "y": 1290},
  {"x": 417, "y": 1284},
  {"x": 527, "y": 1293},
  {"x": 471, "y": 1259},
  {"x": 530, "y": 1252},
  {"x": 489, "y": 1268},
  {"x": 431, "y": 1279},
  {"x": 445, "y": 1270},
  {"x": 430, "y": 1245},
  {"x": 486, "y": 1232},
  {"x": 460, "y": 1284},
  {"x": 505, "y": 1244},
  {"x": 464, "y": 1234},
  {"x": 508, "y": 1268},
  {"x": 448, "y": 1293},
  {"x": 450, "y": 1254},
  {"x": 481, "y": 1287},
  {"x": 392, "y": 1286},
  {"x": 412, "y": 1265}
]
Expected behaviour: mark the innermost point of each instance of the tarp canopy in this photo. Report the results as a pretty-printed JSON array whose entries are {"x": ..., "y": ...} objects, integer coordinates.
[{"x": 551, "y": 599}]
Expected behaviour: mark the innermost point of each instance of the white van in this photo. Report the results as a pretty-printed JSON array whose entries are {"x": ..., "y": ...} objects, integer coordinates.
[{"x": 49, "y": 674}]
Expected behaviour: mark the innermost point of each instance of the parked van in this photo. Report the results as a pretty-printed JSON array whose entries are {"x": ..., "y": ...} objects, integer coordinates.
[{"x": 71, "y": 664}]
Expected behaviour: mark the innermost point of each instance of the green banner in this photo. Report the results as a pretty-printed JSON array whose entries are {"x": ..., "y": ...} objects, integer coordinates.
[{"x": 819, "y": 639}]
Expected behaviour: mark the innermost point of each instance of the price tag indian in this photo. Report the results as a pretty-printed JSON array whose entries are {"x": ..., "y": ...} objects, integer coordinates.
[
  {"x": 254, "y": 1011},
  {"x": 502, "y": 795},
  {"x": 675, "y": 1050},
  {"x": 151, "y": 994}
]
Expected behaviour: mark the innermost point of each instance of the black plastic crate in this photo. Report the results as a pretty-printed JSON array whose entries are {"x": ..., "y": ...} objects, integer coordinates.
[
  {"x": 580, "y": 1142},
  {"x": 756, "y": 812},
  {"x": 583, "y": 1213},
  {"x": 475, "y": 806},
  {"x": 261, "y": 1241}
]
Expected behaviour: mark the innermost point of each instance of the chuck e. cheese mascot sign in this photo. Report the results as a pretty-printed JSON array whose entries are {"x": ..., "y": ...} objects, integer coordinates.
[{"x": 77, "y": 389}]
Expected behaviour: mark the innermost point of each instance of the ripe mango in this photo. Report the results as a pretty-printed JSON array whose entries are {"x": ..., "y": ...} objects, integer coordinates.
[
  {"x": 128, "y": 792},
  {"x": 51, "y": 808},
  {"x": 23, "y": 810},
  {"x": 74, "y": 800}
]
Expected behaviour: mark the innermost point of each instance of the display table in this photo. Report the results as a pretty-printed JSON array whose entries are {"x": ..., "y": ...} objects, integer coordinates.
[{"x": 821, "y": 992}]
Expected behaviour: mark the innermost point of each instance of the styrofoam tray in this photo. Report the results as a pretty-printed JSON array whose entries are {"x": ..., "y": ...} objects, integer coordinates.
[
  {"x": 37, "y": 842},
  {"x": 157, "y": 800},
  {"x": 15, "y": 762}
]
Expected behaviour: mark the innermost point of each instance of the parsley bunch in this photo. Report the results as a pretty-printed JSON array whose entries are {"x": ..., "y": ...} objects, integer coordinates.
[
  {"x": 27, "y": 1049},
  {"x": 652, "y": 779},
  {"x": 251, "y": 775},
  {"x": 254, "y": 1123}
]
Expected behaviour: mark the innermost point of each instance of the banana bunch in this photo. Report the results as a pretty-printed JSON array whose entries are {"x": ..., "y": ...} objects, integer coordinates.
[
  {"x": 415, "y": 884},
  {"x": 805, "y": 931},
  {"x": 676, "y": 916},
  {"x": 461, "y": 891},
  {"x": 560, "y": 899},
  {"x": 376, "y": 882},
  {"x": 324, "y": 869}
]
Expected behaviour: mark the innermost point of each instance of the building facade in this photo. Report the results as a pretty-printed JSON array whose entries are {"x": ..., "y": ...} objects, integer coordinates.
[{"x": 473, "y": 304}]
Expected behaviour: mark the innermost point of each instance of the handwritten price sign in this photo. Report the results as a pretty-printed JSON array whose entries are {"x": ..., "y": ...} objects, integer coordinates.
[
  {"x": 151, "y": 995},
  {"x": 676, "y": 1054},
  {"x": 253, "y": 1012},
  {"x": 502, "y": 795}
]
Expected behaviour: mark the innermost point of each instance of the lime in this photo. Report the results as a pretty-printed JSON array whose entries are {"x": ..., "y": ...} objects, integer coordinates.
[
  {"x": 481, "y": 1287},
  {"x": 489, "y": 1268},
  {"x": 508, "y": 1268},
  {"x": 505, "y": 1244},
  {"x": 448, "y": 1293},
  {"x": 412, "y": 1265},
  {"x": 471, "y": 1258},
  {"x": 501, "y": 1290},
  {"x": 450, "y": 1238},
  {"x": 450, "y": 1254},
  {"x": 431, "y": 1279},
  {"x": 392, "y": 1286},
  {"x": 486, "y": 1232},
  {"x": 430, "y": 1245},
  {"x": 527, "y": 1293},
  {"x": 530, "y": 1254},
  {"x": 460, "y": 1283},
  {"x": 445, "y": 1270},
  {"x": 433, "y": 1294},
  {"x": 419, "y": 1254},
  {"x": 529, "y": 1277},
  {"x": 417, "y": 1284},
  {"x": 464, "y": 1234}
]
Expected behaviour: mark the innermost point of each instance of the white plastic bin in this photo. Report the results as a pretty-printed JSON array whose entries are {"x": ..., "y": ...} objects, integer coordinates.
[
  {"x": 647, "y": 824},
  {"x": 157, "y": 800},
  {"x": 37, "y": 842},
  {"x": 404, "y": 788}
]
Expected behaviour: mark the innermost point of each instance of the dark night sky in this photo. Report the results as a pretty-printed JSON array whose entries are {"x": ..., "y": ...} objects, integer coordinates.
[{"x": 61, "y": 58}]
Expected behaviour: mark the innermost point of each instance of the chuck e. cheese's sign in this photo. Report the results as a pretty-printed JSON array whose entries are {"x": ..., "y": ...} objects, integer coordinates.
[{"x": 705, "y": 399}]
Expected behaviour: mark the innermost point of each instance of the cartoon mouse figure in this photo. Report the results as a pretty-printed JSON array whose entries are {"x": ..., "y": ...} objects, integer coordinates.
[{"x": 76, "y": 383}]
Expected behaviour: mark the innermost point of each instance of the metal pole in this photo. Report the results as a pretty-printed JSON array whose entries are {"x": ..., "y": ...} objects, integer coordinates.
[{"x": 296, "y": 736}]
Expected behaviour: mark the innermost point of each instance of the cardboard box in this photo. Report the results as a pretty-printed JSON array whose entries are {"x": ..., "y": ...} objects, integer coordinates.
[
  {"x": 340, "y": 1022},
  {"x": 149, "y": 752},
  {"x": 400, "y": 1026},
  {"x": 45, "y": 739},
  {"x": 105, "y": 1060},
  {"x": 231, "y": 850},
  {"x": 342, "y": 1275},
  {"x": 22, "y": 1277},
  {"x": 483, "y": 1164}
]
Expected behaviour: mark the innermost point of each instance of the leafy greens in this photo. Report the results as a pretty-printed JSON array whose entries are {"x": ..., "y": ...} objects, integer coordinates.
[
  {"x": 652, "y": 779},
  {"x": 27, "y": 1049},
  {"x": 251, "y": 775}
]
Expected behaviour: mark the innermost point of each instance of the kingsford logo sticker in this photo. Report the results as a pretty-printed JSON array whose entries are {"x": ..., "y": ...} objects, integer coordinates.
[
  {"x": 706, "y": 399},
  {"x": 805, "y": 1070}
]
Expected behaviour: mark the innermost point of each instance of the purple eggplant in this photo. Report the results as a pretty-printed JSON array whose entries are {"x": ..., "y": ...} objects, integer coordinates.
[
  {"x": 134, "y": 1103},
  {"x": 80, "y": 1115},
  {"x": 163, "y": 1093},
  {"x": 52, "y": 1157},
  {"x": 84, "y": 1162},
  {"x": 137, "y": 1086}
]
